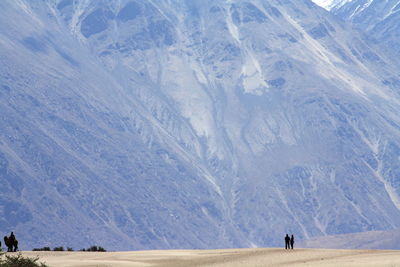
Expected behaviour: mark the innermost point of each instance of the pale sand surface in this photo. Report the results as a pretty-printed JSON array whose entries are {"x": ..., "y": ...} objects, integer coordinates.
[{"x": 226, "y": 257}]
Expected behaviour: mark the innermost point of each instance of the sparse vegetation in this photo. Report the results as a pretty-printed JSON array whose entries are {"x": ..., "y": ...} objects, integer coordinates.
[
  {"x": 19, "y": 261},
  {"x": 42, "y": 249},
  {"x": 61, "y": 248},
  {"x": 94, "y": 248}
]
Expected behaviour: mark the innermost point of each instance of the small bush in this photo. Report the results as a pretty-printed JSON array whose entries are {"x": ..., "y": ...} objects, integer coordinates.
[
  {"x": 18, "y": 261},
  {"x": 94, "y": 248},
  {"x": 70, "y": 249},
  {"x": 58, "y": 249},
  {"x": 42, "y": 249}
]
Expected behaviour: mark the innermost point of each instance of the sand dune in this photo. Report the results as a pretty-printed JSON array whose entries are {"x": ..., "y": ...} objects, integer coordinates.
[{"x": 227, "y": 257}]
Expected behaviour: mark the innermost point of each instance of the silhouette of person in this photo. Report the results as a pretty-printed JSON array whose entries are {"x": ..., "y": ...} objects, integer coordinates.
[
  {"x": 15, "y": 245},
  {"x": 12, "y": 237},
  {"x": 11, "y": 240},
  {"x": 291, "y": 241},
  {"x": 7, "y": 243},
  {"x": 287, "y": 240}
]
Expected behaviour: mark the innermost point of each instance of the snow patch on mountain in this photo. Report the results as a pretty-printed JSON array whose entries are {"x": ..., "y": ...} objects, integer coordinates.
[{"x": 329, "y": 4}]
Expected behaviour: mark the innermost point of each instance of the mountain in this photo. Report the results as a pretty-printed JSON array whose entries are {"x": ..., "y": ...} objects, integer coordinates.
[
  {"x": 84, "y": 158},
  {"x": 379, "y": 19},
  {"x": 364, "y": 240},
  {"x": 193, "y": 124}
]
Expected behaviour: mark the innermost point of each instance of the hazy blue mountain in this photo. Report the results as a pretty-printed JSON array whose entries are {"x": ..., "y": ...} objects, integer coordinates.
[
  {"x": 379, "y": 19},
  {"x": 364, "y": 240},
  {"x": 192, "y": 124}
]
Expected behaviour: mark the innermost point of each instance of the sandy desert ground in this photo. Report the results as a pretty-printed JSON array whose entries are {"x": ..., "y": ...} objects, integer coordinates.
[{"x": 226, "y": 257}]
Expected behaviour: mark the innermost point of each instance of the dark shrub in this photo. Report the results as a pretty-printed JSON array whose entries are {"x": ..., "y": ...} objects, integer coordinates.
[
  {"x": 94, "y": 248},
  {"x": 18, "y": 261},
  {"x": 42, "y": 249}
]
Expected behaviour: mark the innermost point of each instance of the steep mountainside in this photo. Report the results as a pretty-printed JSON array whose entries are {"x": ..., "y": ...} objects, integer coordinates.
[
  {"x": 192, "y": 124},
  {"x": 380, "y": 19}
]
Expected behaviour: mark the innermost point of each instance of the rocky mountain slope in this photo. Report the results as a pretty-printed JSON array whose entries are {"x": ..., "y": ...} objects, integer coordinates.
[
  {"x": 379, "y": 19},
  {"x": 193, "y": 124}
]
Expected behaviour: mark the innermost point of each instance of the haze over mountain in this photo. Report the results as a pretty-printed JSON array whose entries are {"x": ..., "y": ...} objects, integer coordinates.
[
  {"x": 363, "y": 240},
  {"x": 193, "y": 124}
]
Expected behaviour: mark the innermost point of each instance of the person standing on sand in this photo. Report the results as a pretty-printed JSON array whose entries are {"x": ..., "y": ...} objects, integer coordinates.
[
  {"x": 291, "y": 241},
  {"x": 13, "y": 242},
  {"x": 287, "y": 240},
  {"x": 7, "y": 243},
  {"x": 12, "y": 237}
]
